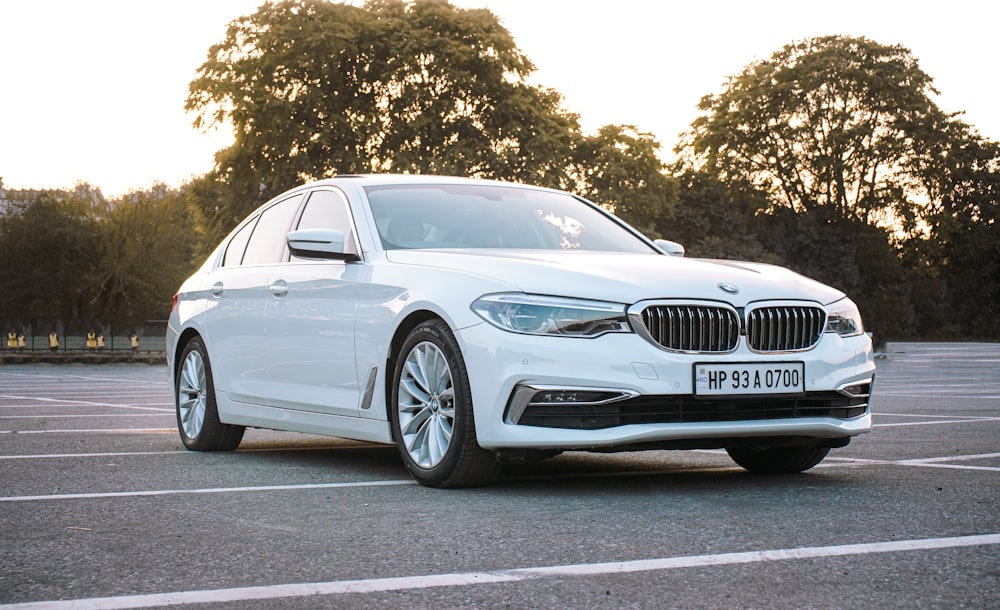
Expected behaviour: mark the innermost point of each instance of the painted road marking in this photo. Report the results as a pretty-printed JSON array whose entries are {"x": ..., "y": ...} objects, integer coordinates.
[
  {"x": 939, "y": 422},
  {"x": 464, "y": 579},
  {"x": 80, "y": 402},
  {"x": 833, "y": 462},
  {"x": 98, "y": 431},
  {"x": 206, "y": 490},
  {"x": 89, "y": 415}
]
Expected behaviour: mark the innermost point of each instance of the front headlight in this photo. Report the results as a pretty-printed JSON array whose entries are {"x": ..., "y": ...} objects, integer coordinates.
[
  {"x": 844, "y": 318},
  {"x": 542, "y": 315}
]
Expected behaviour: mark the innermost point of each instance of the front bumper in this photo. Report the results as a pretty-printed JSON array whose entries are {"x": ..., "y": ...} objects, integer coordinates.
[{"x": 633, "y": 394}]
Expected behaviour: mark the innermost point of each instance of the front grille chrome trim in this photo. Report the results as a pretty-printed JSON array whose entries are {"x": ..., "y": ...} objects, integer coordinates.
[
  {"x": 715, "y": 327},
  {"x": 688, "y": 327},
  {"x": 784, "y": 327}
]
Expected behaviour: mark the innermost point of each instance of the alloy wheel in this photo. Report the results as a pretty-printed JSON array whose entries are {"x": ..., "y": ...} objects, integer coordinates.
[
  {"x": 192, "y": 387},
  {"x": 426, "y": 405}
]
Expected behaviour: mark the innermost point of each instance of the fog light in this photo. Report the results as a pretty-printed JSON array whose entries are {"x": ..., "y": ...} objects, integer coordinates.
[
  {"x": 574, "y": 396},
  {"x": 857, "y": 390},
  {"x": 525, "y": 396}
]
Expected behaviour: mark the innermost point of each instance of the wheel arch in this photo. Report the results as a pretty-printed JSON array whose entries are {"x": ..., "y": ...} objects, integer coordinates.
[
  {"x": 182, "y": 341},
  {"x": 402, "y": 331}
]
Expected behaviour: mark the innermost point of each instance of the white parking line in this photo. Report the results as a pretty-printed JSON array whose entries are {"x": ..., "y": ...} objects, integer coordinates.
[
  {"x": 86, "y": 455},
  {"x": 952, "y": 466},
  {"x": 833, "y": 462},
  {"x": 130, "y": 381},
  {"x": 948, "y": 397},
  {"x": 88, "y": 415},
  {"x": 44, "y": 456},
  {"x": 464, "y": 579},
  {"x": 935, "y": 462},
  {"x": 939, "y": 422},
  {"x": 923, "y": 416},
  {"x": 206, "y": 490},
  {"x": 952, "y": 458},
  {"x": 79, "y": 402},
  {"x": 91, "y": 431}
]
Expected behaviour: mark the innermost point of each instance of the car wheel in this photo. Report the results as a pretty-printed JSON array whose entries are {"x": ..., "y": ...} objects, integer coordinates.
[
  {"x": 197, "y": 413},
  {"x": 777, "y": 460},
  {"x": 432, "y": 419}
]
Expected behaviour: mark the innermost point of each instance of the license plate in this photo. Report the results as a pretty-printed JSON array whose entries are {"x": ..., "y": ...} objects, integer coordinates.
[{"x": 742, "y": 378}]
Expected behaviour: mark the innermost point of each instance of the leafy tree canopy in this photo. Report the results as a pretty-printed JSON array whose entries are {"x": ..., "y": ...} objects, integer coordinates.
[
  {"x": 48, "y": 245},
  {"x": 962, "y": 250},
  {"x": 619, "y": 168},
  {"x": 313, "y": 88},
  {"x": 76, "y": 256},
  {"x": 838, "y": 122},
  {"x": 145, "y": 253}
]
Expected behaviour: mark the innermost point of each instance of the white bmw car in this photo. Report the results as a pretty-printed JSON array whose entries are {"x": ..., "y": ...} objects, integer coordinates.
[{"x": 475, "y": 323}]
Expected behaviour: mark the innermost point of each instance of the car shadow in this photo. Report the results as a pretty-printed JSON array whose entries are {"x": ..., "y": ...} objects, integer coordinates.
[{"x": 567, "y": 473}]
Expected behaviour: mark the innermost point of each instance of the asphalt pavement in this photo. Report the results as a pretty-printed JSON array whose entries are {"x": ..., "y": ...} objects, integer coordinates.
[{"x": 101, "y": 507}]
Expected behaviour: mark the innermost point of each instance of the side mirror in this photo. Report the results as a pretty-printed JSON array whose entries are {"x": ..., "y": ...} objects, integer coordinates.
[
  {"x": 318, "y": 243},
  {"x": 671, "y": 248}
]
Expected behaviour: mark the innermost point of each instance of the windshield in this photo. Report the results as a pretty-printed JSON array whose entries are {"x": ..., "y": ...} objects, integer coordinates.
[{"x": 481, "y": 216}]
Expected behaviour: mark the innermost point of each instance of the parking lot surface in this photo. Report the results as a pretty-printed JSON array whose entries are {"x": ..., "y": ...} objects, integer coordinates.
[{"x": 101, "y": 507}]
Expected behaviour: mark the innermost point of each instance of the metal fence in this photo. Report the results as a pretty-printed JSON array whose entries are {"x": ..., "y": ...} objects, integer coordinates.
[{"x": 33, "y": 335}]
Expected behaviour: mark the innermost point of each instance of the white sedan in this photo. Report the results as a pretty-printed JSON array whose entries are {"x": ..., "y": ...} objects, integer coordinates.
[{"x": 475, "y": 323}]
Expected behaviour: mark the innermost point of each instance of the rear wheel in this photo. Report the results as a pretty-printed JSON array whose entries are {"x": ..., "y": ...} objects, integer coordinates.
[
  {"x": 197, "y": 413},
  {"x": 432, "y": 419},
  {"x": 777, "y": 460}
]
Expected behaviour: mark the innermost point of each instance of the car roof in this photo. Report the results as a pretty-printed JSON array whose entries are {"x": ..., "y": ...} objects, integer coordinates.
[{"x": 391, "y": 179}]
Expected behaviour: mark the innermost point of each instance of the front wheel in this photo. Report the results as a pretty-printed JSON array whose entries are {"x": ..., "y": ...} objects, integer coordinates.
[
  {"x": 777, "y": 460},
  {"x": 197, "y": 413},
  {"x": 432, "y": 419}
]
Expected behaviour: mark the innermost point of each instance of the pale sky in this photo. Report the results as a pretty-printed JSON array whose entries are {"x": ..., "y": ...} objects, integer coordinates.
[{"x": 93, "y": 90}]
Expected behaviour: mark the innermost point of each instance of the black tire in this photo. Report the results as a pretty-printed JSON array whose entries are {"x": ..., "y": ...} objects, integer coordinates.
[
  {"x": 431, "y": 412},
  {"x": 195, "y": 405},
  {"x": 777, "y": 460}
]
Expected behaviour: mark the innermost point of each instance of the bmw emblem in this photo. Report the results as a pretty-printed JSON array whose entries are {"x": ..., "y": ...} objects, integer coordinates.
[{"x": 728, "y": 288}]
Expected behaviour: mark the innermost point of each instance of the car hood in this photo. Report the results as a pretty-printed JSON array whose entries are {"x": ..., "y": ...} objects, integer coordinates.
[{"x": 623, "y": 278}]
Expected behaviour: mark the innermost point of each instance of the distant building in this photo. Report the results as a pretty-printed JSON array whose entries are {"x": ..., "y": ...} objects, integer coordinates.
[{"x": 4, "y": 204}]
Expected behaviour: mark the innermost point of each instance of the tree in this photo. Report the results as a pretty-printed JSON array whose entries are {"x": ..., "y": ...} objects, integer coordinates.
[
  {"x": 619, "y": 168},
  {"x": 145, "y": 253},
  {"x": 313, "y": 88},
  {"x": 717, "y": 220},
  {"x": 49, "y": 245},
  {"x": 714, "y": 220},
  {"x": 837, "y": 122},
  {"x": 854, "y": 257},
  {"x": 962, "y": 250}
]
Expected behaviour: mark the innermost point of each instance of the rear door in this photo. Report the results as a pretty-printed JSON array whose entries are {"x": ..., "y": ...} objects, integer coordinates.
[{"x": 239, "y": 297}]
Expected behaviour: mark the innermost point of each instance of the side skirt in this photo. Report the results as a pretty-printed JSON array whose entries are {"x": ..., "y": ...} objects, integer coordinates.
[{"x": 273, "y": 418}]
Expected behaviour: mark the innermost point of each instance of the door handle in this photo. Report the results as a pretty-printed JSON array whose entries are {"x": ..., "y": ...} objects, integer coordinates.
[
  {"x": 278, "y": 288},
  {"x": 216, "y": 289}
]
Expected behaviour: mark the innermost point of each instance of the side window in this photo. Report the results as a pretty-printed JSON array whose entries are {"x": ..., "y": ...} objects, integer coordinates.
[
  {"x": 267, "y": 243},
  {"x": 328, "y": 210},
  {"x": 234, "y": 251}
]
